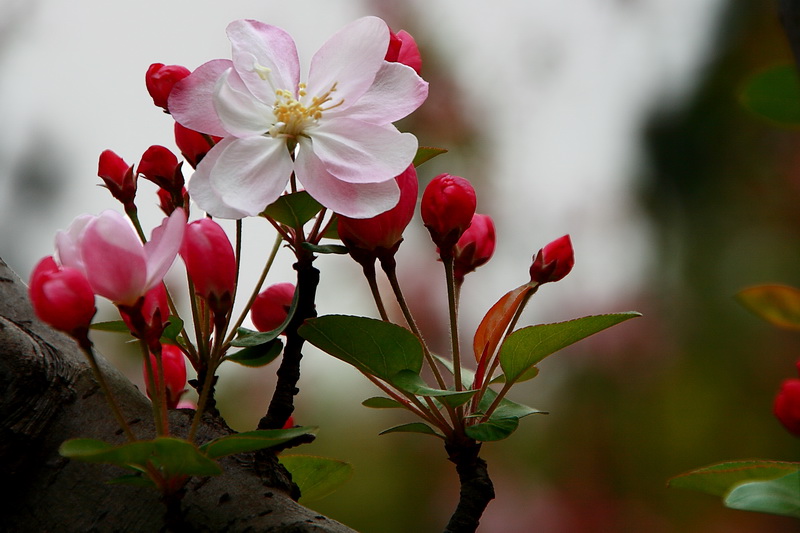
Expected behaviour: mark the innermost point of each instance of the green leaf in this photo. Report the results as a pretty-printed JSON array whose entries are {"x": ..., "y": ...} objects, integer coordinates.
[
  {"x": 493, "y": 429},
  {"x": 719, "y": 479},
  {"x": 379, "y": 402},
  {"x": 293, "y": 209},
  {"x": 137, "y": 480},
  {"x": 413, "y": 427},
  {"x": 774, "y": 94},
  {"x": 113, "y": 326},
  {"x": 325, "y": 248},
  {"x": 378, "y": 348},
  {"x": 170, "y": 455},
  {"x": 246, "y": 337},
  {"x": 426, "y": 153},
  {"x": 412, "y": 382},
  {"x": 779, "y": 496},
  {"x": 528, "y": 346},
  {"x": 251, "y": 441},
  {"x": 777, "y": 304},
  {"x": 172, "y": 331},
  {"x": 332, "y": 231},
  {"x": 255, "y": 356},
  {"x": 317, "y": 477},
  {"x": 179, "y": 457}
]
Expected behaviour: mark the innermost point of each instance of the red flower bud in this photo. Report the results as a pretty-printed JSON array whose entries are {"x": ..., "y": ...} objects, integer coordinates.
[
  {"x": 159, "y": 165},
  {"x": 118, "y": 177},
  {"x": 475, "y": 247},
  {"x": 168, "y": 202},
  {"x": 369, "y": 237},
  {"x": 154, "y": 311},
  {"x": 447, "y": 206},
  {"x": 210, "y": 262},
  {"x": 174, "y": 363},
  {"x": 271, "y": 306},
  {"x": 787, "y": 405},
  {"x": 193, "y": 145},
  {"x": 403, "y": 49},
  {"x": 62, "y": 297},
  {"x": 160, "y": 79},
  {"x": 553, "y": 262}
]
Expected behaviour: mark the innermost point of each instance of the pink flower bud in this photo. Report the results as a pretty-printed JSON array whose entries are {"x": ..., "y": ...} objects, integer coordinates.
[
  {"x": 382, "y": 233},
  {"x": 159, "y": 165},
  {"x": 160, "y": 79},
  {"x": 62, "y": 297},
  {"x": 447, "y": 206},
  {"x": 553, "y": 262},
  {"x": 193, "y": 145},
  {"x": 403, "y": 49},
  {"x": 475, "y": 247},
  {"x": 118, "y": 177},
  {"x": 271, "y": 306},
  {"x": 787, "y": 406},
  {"x": 174, "y": 363},
  {"x": 210, "y": 262}
]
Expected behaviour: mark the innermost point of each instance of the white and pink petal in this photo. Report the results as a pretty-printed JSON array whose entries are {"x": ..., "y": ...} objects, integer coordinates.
[
  {"x": 191, "y": 101},
  {"x": 361, "y": 152},
  {"x": 265, "y": 57},
  {"x": 349, "y": 60},
  {"x": 355, "y": 200}
]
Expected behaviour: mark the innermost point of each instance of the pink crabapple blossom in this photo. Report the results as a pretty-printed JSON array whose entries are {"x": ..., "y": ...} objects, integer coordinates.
[
  {"x": 108, "y": 251},
  {"x": 174, "y": 363},
  {"x": 271, "y": 306},
  {"x": 553, "y": 262},
  {"x": 333, "y": 132},
  {"x": 61, "y": 297}
]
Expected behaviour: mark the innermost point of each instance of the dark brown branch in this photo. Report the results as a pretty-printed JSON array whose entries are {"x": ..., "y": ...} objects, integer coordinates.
[
  {"x": 281, "y": 406},
  {"x": 789, "y": 13},
  {"x": 48, "y": 395},
  {"x": 476, "y": 486}
]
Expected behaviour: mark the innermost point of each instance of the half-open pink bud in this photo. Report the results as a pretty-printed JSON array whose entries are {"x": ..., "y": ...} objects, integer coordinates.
[
  {"x": 553, "y": 262},
  {"x": 107, "y": 250},
  {"x": 174, "y": 363},
  {"x": 447, "y": 206},
  {"x": 271, "y": 306},
  {"x": 787, "y": 406},
  {"x": 62, "y": 297},
  {"x": 210, "y": 263},
  {"x": 118, "y": 177},
  {"x": 160, "y": 79},
  {"x": 475, "y": 247},
  {"x": 382, "y": 233}
]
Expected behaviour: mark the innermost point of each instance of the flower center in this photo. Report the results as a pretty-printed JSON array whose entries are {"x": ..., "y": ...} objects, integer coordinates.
[{"x": 293, "y": 116}]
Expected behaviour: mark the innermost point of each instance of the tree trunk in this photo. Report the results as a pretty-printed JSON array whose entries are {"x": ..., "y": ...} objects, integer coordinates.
[{"x": 48, "y": 395}]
